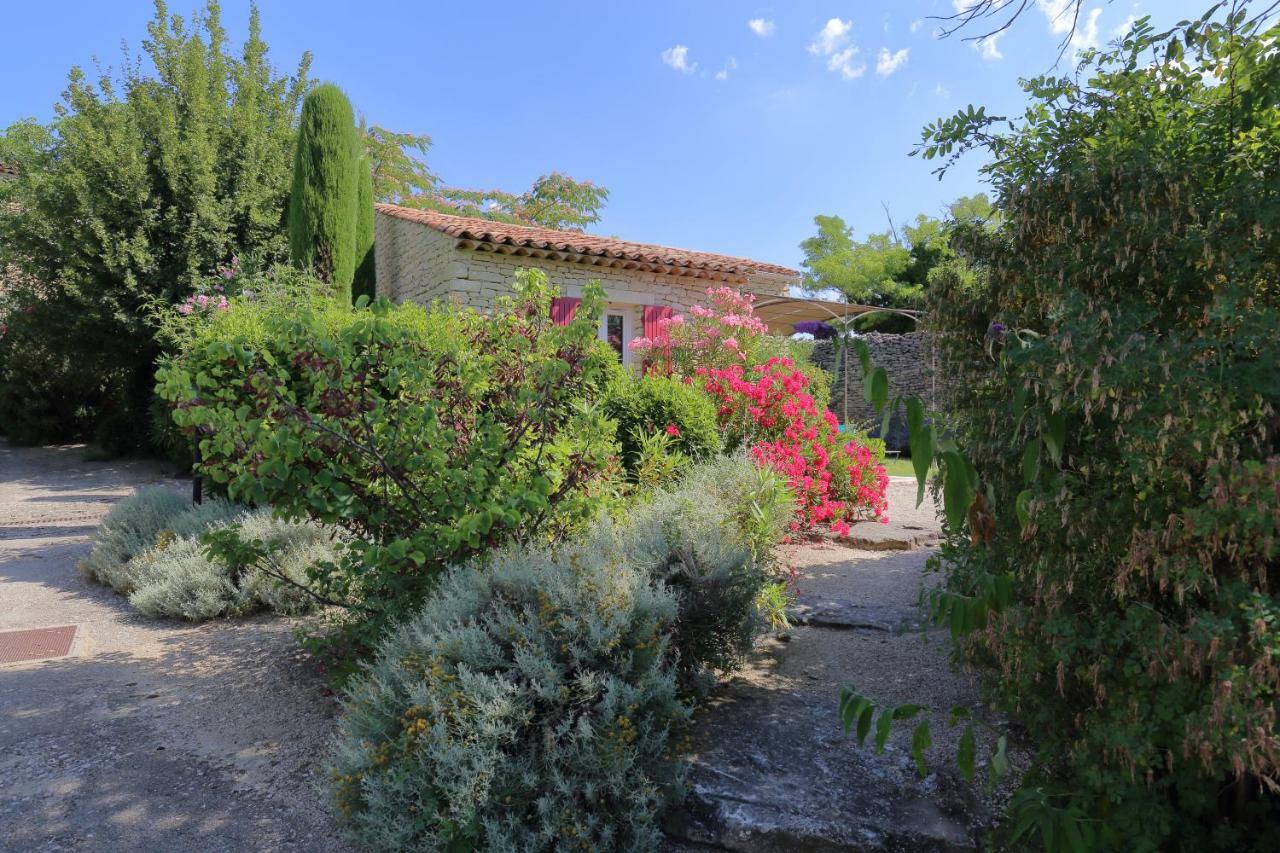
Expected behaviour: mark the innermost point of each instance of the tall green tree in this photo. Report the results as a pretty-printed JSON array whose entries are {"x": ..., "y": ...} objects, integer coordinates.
[
  {"x": 323, "y": 198},
  {"x": 889, "y": 269},
  {"x": 401, "y": 176},
  {"x": 143, "y": 183},
  {"x": 364, "y": 283}
]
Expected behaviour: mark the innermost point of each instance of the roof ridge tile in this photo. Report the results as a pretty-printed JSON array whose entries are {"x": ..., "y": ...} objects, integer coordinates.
[{"x": 538, "y": 237}]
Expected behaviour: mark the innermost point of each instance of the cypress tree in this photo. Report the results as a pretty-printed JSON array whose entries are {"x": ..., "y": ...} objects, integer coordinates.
[
  {"x": 365, "y": 283},
  {"x": 322, "y": 202}
]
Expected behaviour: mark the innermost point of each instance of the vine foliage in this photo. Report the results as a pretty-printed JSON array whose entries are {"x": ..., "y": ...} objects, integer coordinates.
[{"x": 1110, "y": 484}]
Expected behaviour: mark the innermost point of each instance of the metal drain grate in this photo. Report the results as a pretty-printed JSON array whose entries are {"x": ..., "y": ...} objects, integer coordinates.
[{"x": 36, "y": 644}]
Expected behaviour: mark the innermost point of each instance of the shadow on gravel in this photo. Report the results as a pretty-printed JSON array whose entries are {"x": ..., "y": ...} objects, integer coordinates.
[
  {"x": 8, "y": 534},
  {"x": 210, "y": 740}
]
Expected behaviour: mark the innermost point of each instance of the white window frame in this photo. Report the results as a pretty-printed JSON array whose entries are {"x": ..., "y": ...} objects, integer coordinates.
[{"x": 628, "y": 331}]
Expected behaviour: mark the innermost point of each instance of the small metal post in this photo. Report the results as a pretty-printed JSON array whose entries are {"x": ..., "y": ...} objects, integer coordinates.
[{"x": 197, "y": 483}]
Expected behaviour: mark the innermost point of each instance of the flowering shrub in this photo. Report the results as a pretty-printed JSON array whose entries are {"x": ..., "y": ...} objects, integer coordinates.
[
  {"x": 723, "y": 333},
  {"x": 771, "y": 403},
  {"x": 768, "y": 408},
  {"x": 430, "y": 436},
  {"x": 203, "y": 303}
]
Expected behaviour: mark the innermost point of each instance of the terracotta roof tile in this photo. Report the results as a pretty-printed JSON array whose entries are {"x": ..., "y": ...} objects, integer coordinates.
[{"x": 502, "y": 234}]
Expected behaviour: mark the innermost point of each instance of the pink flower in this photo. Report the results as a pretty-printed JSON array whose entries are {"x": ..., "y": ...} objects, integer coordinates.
[
  {"x": 673, "y": 430},
  {"x": 184, "y": 308}
]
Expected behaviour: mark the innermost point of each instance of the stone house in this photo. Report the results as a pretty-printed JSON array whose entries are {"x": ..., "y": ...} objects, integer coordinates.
[{"x": 425, "y": 256}]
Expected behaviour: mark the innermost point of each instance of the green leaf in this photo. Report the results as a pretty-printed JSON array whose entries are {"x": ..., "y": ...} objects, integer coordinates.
[
  {"x": 864, "y": 355},
  {"x": 922, "y": 446},
  {"x": 864, "y": 722},
  {"x": 1021, "y": 506},
  {"x": 967, "y": 753},
  {"x": 883, "y": 724},
  {"x": 850, "y": 705},
  {"x": 876, "y": 387},
  {"x": 958, "y": 490},
  {"x": 921, "y": 740},
  {"x": 1000, "y": 759},
  {"x": 1031, "y": 462},
  {"x": 1055, "y": 435}
]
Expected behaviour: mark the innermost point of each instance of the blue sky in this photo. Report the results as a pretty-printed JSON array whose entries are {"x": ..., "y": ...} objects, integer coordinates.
[{"x": 720, "y": 126}]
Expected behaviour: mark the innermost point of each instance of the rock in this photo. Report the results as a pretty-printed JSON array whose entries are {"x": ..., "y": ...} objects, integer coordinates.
[
  {"x": 759, "y": 788},
  {"x": 771, "y": 768}
]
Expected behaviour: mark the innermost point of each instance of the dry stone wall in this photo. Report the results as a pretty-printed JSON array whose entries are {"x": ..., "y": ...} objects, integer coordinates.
[{"x": 910, "y": 360}]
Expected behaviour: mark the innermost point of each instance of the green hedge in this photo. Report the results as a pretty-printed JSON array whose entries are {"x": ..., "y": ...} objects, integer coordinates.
[{"x": 652, "y": 404}]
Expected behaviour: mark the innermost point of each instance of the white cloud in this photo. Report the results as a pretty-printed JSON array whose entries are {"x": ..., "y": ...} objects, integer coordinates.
[
  {"x": 941, "y": 91},
  {"x": 678, "y": 58},
  {"x": 916, "y": 25},
  {"x": 762, "y": 27},
  {"x": 831, "y": 38},
  {"x": 887, "y": 63},
  {"x": 843, "y": 63},
  {"x": 831, "y": 43},
  {"x": 990, "y": 47},
  {"x": 1086, "y": 34},
  {"x": 1061, "y": 15},
  {"x": 729, "y": 65},
  {"x": 1122, "y": 29}
]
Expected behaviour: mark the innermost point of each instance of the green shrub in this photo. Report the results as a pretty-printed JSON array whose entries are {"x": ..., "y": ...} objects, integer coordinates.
[
  {"x": 50, "y": 392},
  {"x": 138, "y": 186},
  {"x": 652, "y": 404},
  {"x": 711, "y": 538},
  {"x": 527, "y": 706},
  {"x": 429, "y": 435},
  {"x": 324, "y": 195},
  {"x": 129, "y": 528},
  {"x": 1115, "y": 342}
]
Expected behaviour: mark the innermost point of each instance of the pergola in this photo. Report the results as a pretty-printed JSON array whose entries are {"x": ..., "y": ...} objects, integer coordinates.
[{"x": 781, "y": 313}]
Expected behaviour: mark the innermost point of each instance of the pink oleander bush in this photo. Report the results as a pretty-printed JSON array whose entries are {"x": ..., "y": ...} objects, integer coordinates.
[
  {"x": 768, "y": 408},
  {"x": 771, "y": 405},
  {"x": 725, "y": 332}
]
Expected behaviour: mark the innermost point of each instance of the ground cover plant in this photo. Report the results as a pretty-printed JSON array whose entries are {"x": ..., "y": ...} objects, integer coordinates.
[
  {"x": 1111, "y": 493},
  {"x": 430, "y": 435},
  {"x": 152, "y": 547},
  {"x": 535, "y": 700}
]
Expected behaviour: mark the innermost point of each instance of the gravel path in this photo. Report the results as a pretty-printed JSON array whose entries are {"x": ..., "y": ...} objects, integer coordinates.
[{"x": 150, "y": 735}]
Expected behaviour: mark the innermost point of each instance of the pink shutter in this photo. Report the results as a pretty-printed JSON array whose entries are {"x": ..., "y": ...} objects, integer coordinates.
[
  {"x": 652, "y": 314},
  {"x": 563, "y": 308}
]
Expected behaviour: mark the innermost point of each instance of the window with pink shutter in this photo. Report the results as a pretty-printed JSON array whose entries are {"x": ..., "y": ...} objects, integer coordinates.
[{"x": 563, "y": 308}]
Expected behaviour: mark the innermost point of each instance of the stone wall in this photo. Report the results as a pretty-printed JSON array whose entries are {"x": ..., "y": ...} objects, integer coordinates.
[{"x": 909, "y": 359}]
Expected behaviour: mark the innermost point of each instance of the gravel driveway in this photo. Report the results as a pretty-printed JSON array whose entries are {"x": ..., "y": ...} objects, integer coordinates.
[{"x": 150, "y": 735}]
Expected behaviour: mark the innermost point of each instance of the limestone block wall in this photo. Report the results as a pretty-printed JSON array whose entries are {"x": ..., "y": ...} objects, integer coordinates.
[
  {"x": 909, "y": 359},
  {"x": 413, "y": 262},
  {"x": 418, "y": 263}
]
